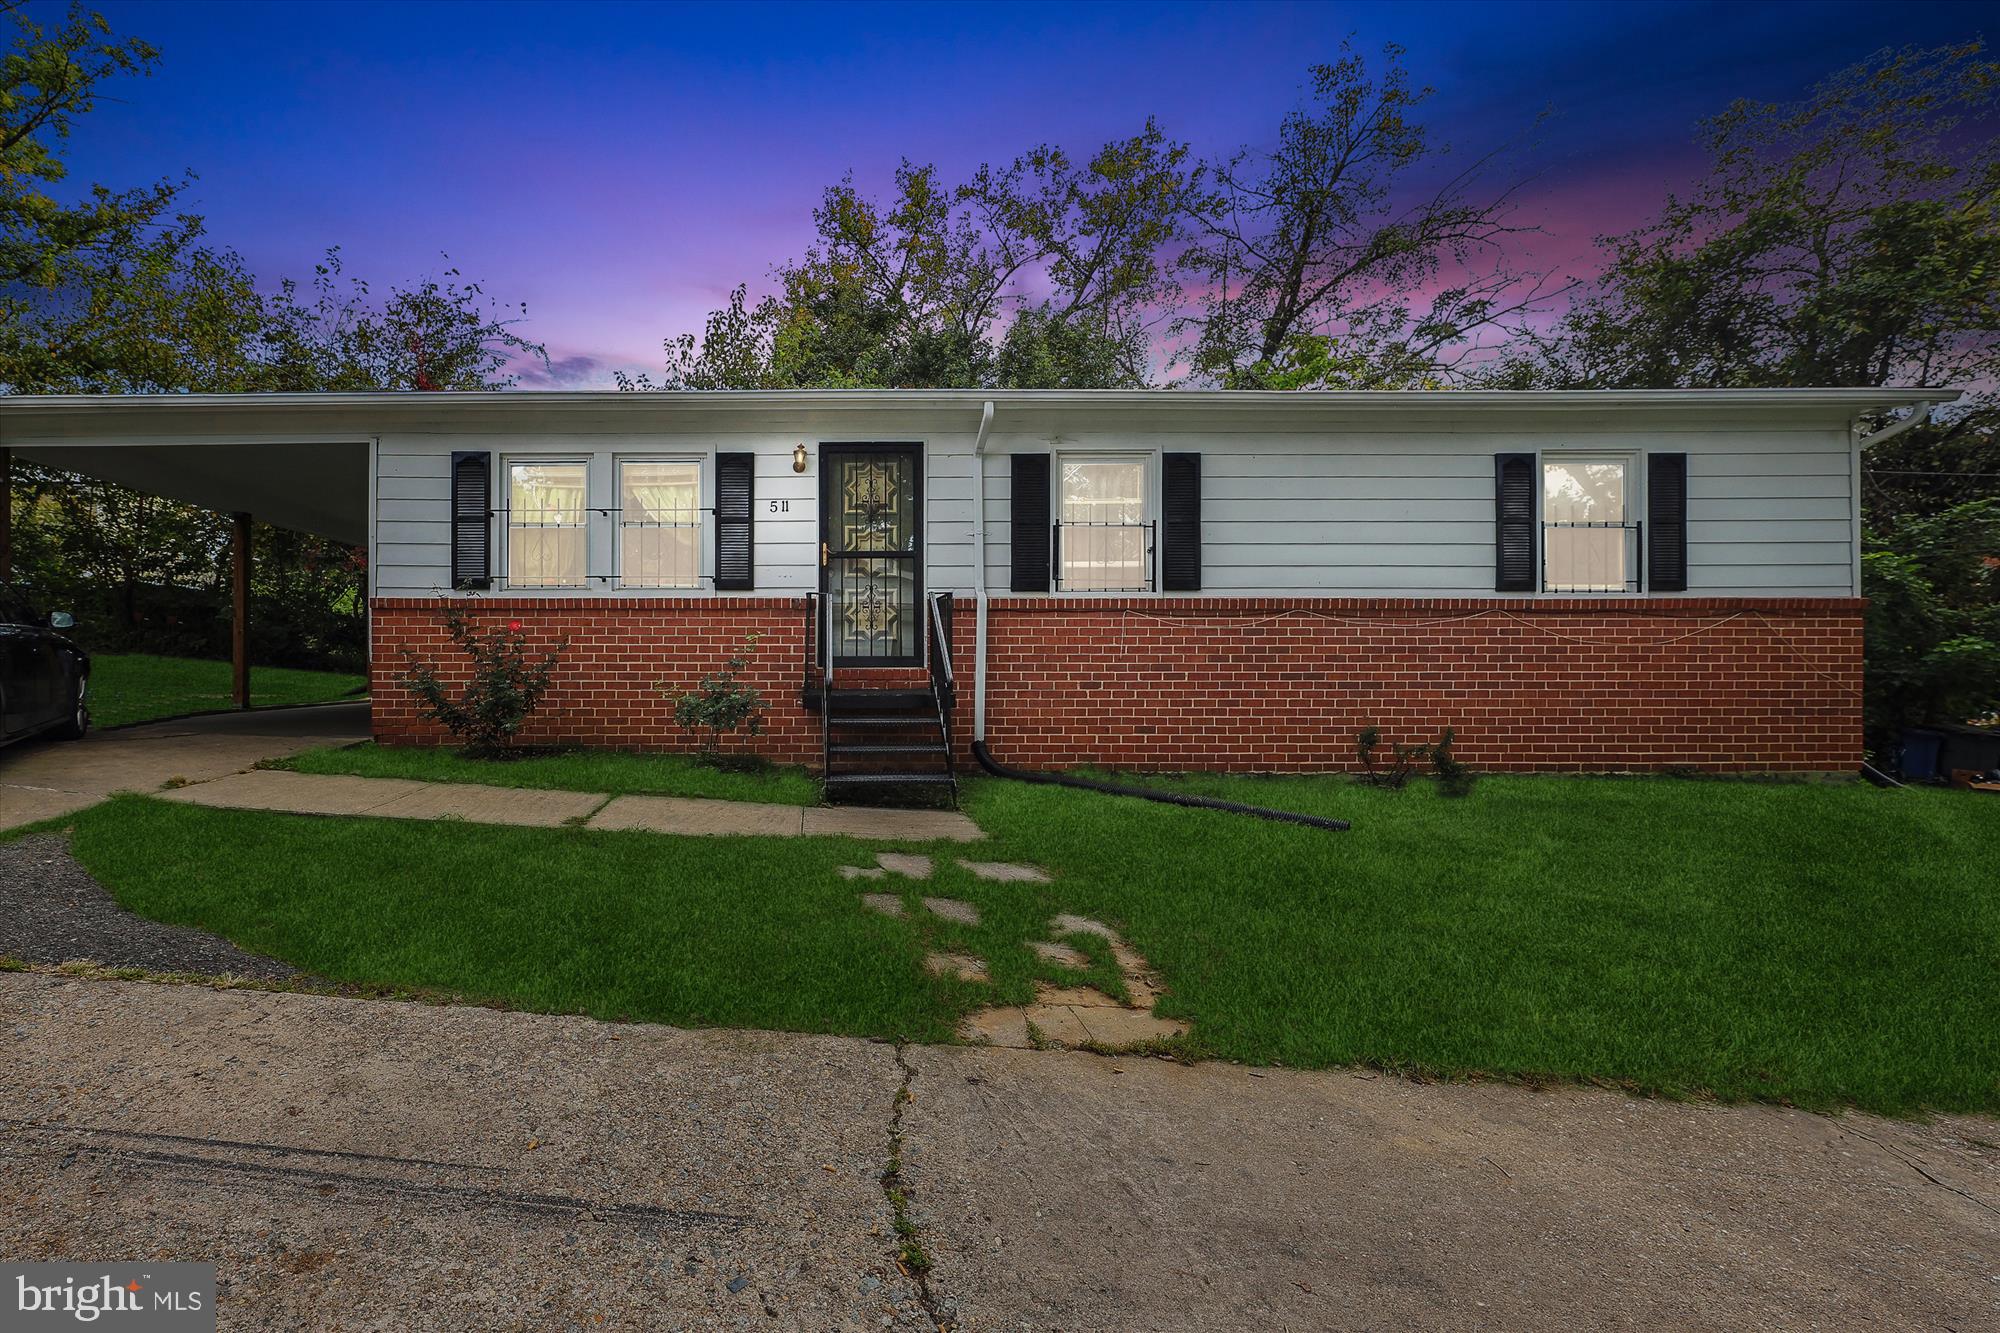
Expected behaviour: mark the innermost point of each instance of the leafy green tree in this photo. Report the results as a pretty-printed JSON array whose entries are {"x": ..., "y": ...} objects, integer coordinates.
[
  {"x": 121, "y": 294},
  {"x": 49, "y": 77},
  {"x": 1850, "y": 238},
  {"x": 439, "y": 333},
  {"x": 57, "y": 249},
  {"x": 1045, "y": 272},
  {"x": 166, "y": 314},
  {"x": 1352, "y": 254},
  {"x": 1937, "y": 465},
  {"x": 100, "y": 550},
  {"x": 1933, "y": 584}
]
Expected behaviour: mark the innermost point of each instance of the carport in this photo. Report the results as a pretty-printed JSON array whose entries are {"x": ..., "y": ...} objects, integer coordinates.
[{"x": 251, "y": 461}]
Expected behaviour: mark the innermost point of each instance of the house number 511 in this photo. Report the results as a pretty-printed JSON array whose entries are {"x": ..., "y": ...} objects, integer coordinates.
[{"x": 781, "y": 506}]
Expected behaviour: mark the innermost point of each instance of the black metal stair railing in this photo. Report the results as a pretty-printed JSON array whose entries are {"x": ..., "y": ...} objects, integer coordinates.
[
  {"x": 809, "y": 657},
  {"x": 944, "y": 688}
]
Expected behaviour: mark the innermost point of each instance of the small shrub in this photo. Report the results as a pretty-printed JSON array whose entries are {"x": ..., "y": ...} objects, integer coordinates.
[
  {"x": 507, "y": 685},
  {"x": 1454, "y": 778},
  {"x": 722, "y": 703}
]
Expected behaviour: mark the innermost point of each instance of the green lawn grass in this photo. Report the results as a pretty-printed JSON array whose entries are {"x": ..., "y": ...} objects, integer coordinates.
[
  {"x": 582, "y": 770},
  {"x": 1819, "y": 944},
  {"x": 137, "y": 687}
]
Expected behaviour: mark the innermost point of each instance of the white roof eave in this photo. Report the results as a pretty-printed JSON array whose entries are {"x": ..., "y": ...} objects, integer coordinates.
[{"x": 27, "y": 419}]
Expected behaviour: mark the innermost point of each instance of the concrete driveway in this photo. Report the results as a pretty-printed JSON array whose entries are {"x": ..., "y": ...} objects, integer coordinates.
[
  {"x": 355, "y": 1164},
  {"x": 42, "y": 779}
]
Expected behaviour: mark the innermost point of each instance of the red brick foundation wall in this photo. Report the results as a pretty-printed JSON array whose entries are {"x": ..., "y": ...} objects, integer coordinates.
[
  {"x": 1284, "y": 685},
  {"x": 606, "y": 691},
  {"x": 1265, "y": 685}
]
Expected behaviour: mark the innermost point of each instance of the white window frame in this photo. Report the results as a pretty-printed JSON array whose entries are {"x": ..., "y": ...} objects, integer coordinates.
[
  {"x": 1635, "y": 504},
  {"x": 1149, "y": 465},
  {"x": 508, "y": 462},
  {"x": 704, "y": 505}
]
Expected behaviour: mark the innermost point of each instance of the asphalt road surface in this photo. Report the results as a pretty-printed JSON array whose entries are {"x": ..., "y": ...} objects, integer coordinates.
[{"x": 358, "y": 1164}]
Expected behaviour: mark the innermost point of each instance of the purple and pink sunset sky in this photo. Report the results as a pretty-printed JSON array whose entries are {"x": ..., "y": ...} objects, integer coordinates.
[{"x": 619, "y": 167}]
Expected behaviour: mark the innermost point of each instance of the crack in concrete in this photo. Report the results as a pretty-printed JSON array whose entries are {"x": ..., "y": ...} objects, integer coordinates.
[
  {"x": 1917, "y": 1167},
  {"x": 910, "y": 1254},
  {"x": 264, "y": 1177}
]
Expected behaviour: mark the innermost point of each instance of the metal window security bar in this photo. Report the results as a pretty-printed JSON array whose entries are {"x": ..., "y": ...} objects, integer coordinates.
[
  {"x": 1593, "y": 557},
  {"x": 1104, "y": 557},
  {"x": 659, "y": 553},
  {"x": 690, "y": 562},
  {"x": 548, "y": 523},
  {"x": 659, "y": 524}
]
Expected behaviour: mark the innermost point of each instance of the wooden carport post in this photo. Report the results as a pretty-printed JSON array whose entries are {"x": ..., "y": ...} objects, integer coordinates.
[{"x": 239, "y": 628}]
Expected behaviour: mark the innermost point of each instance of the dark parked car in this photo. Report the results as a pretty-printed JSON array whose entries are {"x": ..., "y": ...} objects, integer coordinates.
[{"x": 44, "y": 676}]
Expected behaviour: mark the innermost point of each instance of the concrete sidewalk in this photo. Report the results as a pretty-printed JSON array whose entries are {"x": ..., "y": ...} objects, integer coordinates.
[
  {"x": 399, "y": 798},
  {"x": 362, "y": 1164},
  {"x": 43, "y": 779}
]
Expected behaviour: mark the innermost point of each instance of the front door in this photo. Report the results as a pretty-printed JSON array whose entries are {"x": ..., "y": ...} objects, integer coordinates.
[{"x": 871, "y": 523}]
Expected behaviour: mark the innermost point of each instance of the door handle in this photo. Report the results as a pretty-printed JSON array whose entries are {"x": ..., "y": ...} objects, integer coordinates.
[{"x": 823, "y": 558}]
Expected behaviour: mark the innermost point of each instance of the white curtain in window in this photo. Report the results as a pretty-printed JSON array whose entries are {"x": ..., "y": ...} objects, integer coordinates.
[
  {"x": 1103, "y": 519},
  {"x": 1577, "y": 492},
  {"x": 546, "y": 525},
  {"x": 659, "y": 524}
]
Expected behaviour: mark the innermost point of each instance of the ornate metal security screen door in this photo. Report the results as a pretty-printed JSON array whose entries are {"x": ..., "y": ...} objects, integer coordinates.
[{"x": 871, "y": 558}]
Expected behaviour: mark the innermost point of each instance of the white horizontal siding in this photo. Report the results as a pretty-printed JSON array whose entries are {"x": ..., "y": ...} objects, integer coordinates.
[
  {"x": 948, "y": 500},
  {"x": 413, "y": 525},
  {"x": 1395, "y": 513},
  {"x": 412, "y": 553}
]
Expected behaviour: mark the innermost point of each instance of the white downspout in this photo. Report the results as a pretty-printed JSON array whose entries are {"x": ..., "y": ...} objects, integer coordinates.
[
  {"x": 1918, "y": 412},
  {"x": 979, "y": 571}
]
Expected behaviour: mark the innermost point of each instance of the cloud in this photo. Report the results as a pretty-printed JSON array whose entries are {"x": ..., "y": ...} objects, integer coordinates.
[{"x": 578, "y": 371}]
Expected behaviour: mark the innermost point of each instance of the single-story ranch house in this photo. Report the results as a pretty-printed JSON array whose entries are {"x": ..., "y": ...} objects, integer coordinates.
[{"x": 1147, "y": 579}]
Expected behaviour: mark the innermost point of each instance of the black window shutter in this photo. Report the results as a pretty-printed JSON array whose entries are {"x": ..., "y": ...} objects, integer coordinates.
[
  {"x": 1514, "y": 536},
  {"x": 735, "y": 522},
  {"x": 1030, "y": 529},
  {"x": 1180, "y": 523},
  {"x": 471, "y": 520},
  {"x": 1667, "y": 522}
]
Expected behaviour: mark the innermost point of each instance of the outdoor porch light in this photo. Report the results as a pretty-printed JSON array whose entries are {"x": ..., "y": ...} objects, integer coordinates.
[{"x": 799, "y": 457}]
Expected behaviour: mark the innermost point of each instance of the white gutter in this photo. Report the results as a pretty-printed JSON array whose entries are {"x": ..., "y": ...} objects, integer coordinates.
[
  {"x": 1919, "y": 411},
  {"x": 979, "y": 570},
  {"x": 1391, "y": 401}
]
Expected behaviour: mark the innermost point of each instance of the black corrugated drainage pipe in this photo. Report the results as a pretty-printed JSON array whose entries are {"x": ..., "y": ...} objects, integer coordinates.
[{"x": 999, "y": 770}]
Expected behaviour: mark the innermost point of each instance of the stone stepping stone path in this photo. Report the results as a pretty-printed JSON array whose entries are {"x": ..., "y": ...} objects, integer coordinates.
[
  {"x": 1060, "y": 954},
  {"x": 951, "y": 909},
  {"x": 1077, "y": 1016},
  {"x": 1080, "y": 1015},
  {"x": 961, "y": 965},
  {"x": 1007, "y": 872}
]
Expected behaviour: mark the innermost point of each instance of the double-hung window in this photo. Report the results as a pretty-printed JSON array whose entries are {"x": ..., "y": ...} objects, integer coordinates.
[
  {"x": 1589, "y": 542},
  {"x": 659, "y": 523},
  {"x": 1104, "y": 540},
  {"x": 548, "y": 524}
]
